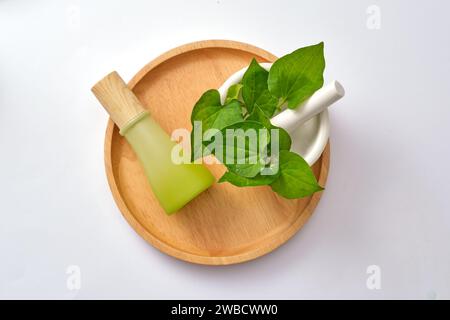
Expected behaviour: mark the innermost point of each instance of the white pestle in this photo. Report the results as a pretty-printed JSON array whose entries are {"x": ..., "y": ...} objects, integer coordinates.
[{"x": 291, "y": 119}]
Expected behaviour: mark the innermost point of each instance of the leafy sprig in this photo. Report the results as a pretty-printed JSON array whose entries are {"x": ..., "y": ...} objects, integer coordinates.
[{"x": 250, "y": 104}]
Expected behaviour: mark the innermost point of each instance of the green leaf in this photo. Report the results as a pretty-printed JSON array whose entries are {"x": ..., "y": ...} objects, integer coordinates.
[
  {"x": 246, "y": 158},
  {"x": 255, "y": 90},
  {"x": 233, "y": 92},
  {"x": 296, "y": 76},
  {"x": 285, "y": 141},
  {"x": 267, "y": 103},
  {"x": 247, "y": 170},
  {"x": 212, "y": 114},
  {"x": 296, "y": 179},
  {"x": 292, "y": 79},
  {"x": 240, "y": 181},
  {"x": 259, "y": 116},
  {"x": 283, "y": 136}
]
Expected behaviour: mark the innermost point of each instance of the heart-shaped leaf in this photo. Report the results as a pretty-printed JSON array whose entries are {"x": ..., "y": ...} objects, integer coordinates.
[
  {"x": 284, "y": 141},
  {"x": 233, "y": 92},
  {"x": 255, "y": 90},
  {"x": 296, "y": 179},
  {"x": 240, "y": 181},
  {"x": 212, "y": 114},
  {"x": 296, "y": 76}
]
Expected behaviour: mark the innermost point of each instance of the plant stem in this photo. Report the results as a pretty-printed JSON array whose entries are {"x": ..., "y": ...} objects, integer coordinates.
[{"x": 280, "y": 103}]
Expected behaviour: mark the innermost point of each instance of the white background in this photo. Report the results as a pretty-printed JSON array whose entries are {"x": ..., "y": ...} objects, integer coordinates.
[{"x": 387, "y": 199}]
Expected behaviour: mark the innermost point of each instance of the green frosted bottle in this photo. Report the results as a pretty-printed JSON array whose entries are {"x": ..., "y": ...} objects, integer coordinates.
[{"x": 174, "y": 185}]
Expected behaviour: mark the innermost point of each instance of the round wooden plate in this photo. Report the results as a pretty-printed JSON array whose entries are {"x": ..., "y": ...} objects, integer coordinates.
[{"x": 225, "y": 224}]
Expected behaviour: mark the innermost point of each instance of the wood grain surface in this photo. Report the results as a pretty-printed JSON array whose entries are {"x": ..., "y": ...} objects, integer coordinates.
[
  {"x": 117, "y": 99},
  {"x": 225, "y": 224}
]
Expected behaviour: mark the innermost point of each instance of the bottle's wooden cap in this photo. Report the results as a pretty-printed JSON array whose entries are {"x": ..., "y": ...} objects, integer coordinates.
[{"x": 118, "y": 100}]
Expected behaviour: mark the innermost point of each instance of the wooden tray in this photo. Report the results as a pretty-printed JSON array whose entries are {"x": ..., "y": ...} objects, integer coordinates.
[{"x": 225, "y": 224}]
